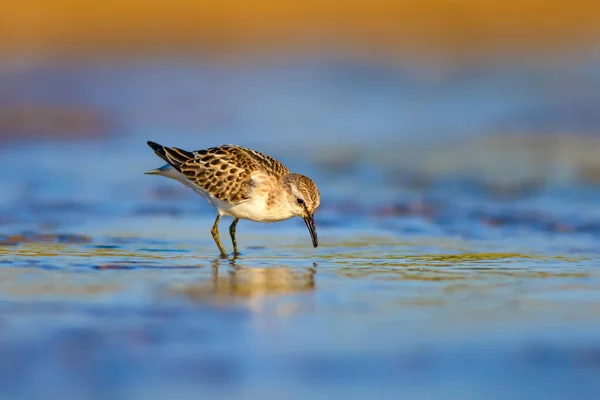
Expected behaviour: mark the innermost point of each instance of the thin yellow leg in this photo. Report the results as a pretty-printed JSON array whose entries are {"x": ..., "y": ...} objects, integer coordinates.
[
  {"x": 215, "y": 234},
  {"x": 232, "y": 233}
]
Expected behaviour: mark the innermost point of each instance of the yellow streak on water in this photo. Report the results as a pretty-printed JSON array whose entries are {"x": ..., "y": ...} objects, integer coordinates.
[{"x": 70, "y": 250}]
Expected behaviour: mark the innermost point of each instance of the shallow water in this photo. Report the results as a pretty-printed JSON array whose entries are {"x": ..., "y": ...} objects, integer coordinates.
[{"x": 439, "y": 273}]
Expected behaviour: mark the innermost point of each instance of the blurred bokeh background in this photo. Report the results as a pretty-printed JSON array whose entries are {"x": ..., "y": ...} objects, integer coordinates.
[
  {"x": 333, "y": 71},
  {"x": 456, "y": 147}
]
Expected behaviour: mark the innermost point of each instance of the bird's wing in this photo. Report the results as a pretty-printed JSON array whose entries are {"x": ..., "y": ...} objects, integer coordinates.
[{"x": 227, "y": 171}]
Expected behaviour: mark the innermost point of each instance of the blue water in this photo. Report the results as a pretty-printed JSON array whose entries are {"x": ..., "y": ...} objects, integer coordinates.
[{"x": 458, "y": 230}]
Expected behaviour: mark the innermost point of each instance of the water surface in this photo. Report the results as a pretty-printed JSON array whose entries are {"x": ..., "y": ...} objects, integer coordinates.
[{"x": 456, "y": 269}]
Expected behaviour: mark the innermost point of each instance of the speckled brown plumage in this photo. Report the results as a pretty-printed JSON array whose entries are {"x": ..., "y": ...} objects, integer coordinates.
[{"x": 224, "y": 171}]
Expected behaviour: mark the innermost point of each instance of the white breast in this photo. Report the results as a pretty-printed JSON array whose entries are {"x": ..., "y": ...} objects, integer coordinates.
[{"x": 254, "y": 209}]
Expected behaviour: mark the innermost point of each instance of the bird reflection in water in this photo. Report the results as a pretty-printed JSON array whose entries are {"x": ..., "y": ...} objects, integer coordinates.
[{"x": 253, "y": 286}]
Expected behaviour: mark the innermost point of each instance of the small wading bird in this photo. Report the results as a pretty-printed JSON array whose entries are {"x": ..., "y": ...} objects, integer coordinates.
[{"x": 242, "y": 183}]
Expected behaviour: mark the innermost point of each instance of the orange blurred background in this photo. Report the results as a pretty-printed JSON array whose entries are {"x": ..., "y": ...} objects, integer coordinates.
[{"x": 427, "y": 27}]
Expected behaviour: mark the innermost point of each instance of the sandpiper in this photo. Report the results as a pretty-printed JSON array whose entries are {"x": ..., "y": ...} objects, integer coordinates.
[{"x": 242, "y": 183}]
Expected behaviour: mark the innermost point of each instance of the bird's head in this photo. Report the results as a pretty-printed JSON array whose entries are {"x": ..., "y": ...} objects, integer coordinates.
[{"x": 303, "y": 199}]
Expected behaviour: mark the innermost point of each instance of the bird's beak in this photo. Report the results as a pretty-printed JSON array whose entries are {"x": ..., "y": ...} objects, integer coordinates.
[{"x": 310, "y": 224}]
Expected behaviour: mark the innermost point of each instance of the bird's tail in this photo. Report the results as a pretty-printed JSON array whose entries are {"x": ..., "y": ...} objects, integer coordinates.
[
  {"x": 159, "y": 171},
  {"x": 172, "y": 155}
]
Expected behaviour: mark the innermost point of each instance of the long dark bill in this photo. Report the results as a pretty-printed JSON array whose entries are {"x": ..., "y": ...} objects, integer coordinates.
[{"x": 310, "y": 224}]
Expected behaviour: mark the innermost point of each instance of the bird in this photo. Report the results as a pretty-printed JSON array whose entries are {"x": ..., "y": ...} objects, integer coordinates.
[{"x": 241, "y": 183}]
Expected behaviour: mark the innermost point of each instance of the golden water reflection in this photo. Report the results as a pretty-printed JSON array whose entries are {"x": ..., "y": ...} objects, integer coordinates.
[{"x": 250, "y": 285}]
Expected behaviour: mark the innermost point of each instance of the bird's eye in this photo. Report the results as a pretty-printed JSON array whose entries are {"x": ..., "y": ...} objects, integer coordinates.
[{"x": 300, "y": 201}]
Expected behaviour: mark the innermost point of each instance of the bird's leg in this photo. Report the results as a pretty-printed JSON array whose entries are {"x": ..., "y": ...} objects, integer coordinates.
[
  {"x": 232, "y": 233},
  {"x": 215, "y": 234}
]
